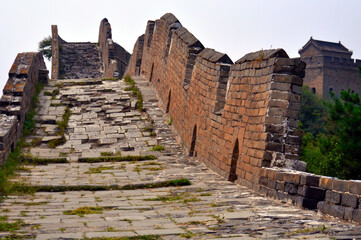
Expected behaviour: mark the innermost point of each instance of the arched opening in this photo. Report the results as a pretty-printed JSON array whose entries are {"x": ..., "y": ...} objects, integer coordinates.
[
  {"x": 313, "y": 90},
  {"x": 168, "y": 104},
  {"x": 235, "y": 155},
  {"x": 192, "y": 153},
  {"x": 12, "y": 147},
  {"x": 151, "y": 73}
]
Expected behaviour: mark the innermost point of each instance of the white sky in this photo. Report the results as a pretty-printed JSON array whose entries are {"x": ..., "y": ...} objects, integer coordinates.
[{"x": 229, "y": 26}]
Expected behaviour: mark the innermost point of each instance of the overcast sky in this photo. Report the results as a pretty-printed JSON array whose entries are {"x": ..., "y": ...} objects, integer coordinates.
[{"x": 229, "y": 26}]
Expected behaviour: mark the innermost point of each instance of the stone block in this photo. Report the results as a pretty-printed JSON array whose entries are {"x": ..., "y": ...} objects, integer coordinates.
[
  {"x": 349, "y": 200},
  {"x": 356, "y": 215},
  {"x": 348, "y": 213},
  {"x": 340, "y": 185},
  {"x": 333, "y": 197},
  {"x": 355, "y": 187},
  {"x": 326, "y": 182},
  {"x": 331, "y": 209},
  {"x": 310, "y": 180}
]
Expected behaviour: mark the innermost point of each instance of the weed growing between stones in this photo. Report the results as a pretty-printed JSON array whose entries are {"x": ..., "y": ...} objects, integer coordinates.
[
  {"x": 6, "y": 226},
  {"x": 142, "y": 237},
  {"x": 170, "y": 120},
  {"x": 158, "y": 148},
  {"x": 87, "y": 210},
  {"x": 135, "y": 91},
  {"x": 62, "y": 125},
  {"x": 188, "y": 234},
  {"x": 42, "y": 161},
  {"x": 176, "y": 197},
  {"x": 117, "y": 159},
  {"x": 18, "y": 188},
  {"x": 110, "y": 79},
  {"x": 98, "y": 169}
]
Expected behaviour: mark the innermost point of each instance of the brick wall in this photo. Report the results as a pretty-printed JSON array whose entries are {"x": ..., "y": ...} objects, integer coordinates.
[
  {"x": 245, "y": 111},
  {"x": 27, "y": 69},
  {"x": 239, "y": 118},
  {"x": 114, "y": 58}
]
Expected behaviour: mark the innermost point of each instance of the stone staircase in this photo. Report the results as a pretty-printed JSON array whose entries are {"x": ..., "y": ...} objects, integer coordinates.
[
  {"x": 80, "y": 60},
  {"x": 82, "y": 200}
]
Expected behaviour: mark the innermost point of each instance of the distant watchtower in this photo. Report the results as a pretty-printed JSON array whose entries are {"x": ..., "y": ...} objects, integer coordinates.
[{"x": 330, "y": 68}]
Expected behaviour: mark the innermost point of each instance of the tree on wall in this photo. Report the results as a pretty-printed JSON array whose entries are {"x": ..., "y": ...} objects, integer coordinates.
[
  {"x": 45, "y": 47},
  {"x": 359, "y": 68}
]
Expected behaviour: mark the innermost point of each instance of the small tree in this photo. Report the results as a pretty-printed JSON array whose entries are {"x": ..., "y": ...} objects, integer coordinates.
[
  {"x": 45, "y": 47},
  {"x": 312, "y": 113},
  {"x": 344, "y": 123}
]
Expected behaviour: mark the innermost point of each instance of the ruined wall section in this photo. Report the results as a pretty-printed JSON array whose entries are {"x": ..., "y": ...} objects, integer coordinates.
[
  {"x": 26, "y": 71},
  {"x": 55, "y": 51},
  {"x": 115, "y": 58},
  {"x": 136, "y": 61}
]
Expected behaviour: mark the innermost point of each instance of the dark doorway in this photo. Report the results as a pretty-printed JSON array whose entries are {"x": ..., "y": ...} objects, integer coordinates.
[
  {"x": 151, "y": 73},
  {"x": 193, "y": 143},
  {"x": 235, "y": 155},
  {"x": 168, "y": 104}
]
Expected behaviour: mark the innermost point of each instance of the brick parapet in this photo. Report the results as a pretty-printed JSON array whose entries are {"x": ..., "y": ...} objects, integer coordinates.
[
  {"x": 26, "y": 71},
  {"x": 338, "y": 198},
  {"x": 252, "y": 138}
]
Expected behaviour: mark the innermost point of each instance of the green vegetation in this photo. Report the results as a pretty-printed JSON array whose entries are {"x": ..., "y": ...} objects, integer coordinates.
[
  {"x": 13, "y": 162},
  {"x": 183, "y": 197},
  {"x": 312, "y": 112},
  {"x": 18, "y": 188},
  {"x": 135, "y": 91},
  {"x": 45, "y": 47},
  {"x": 170, "y": 120},
  {"x": 86, "y": 210},
  {"x": 158, "y": 148},
  {"x": 334, "y": 147},
  {"x": 6, "y": 226},
  {"x": 98, "y": 169},
  {"x": 118, "y": 158},
  {"x": 142, "y": 237},
  {"x": 41, "y": 161},
  {"x": 62, "y": 125}
]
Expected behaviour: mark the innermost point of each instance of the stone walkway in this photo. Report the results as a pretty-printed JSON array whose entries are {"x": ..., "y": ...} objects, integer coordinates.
[{"x": 104, "y": 123}]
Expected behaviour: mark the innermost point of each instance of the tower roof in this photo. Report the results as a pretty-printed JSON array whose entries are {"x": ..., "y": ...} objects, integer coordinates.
[{"x": 325, "y": 46}]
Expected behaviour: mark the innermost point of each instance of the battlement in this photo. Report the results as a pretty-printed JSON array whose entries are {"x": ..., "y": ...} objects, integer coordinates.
[{"x": 218, "y": 106}]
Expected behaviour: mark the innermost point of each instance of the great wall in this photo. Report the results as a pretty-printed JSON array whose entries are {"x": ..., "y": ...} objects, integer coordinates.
[{"x": 230, "y": 128}]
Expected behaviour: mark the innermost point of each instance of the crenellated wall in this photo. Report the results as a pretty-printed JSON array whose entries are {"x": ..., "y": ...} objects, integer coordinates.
[
  {"x": 27, "y": 69},
  {"x": 105, "y": 59},
  {"x": 239, "y": 118}
]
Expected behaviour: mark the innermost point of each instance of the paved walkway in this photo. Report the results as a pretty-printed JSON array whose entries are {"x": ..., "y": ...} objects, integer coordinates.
[{"x": 104, "y": 123}]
